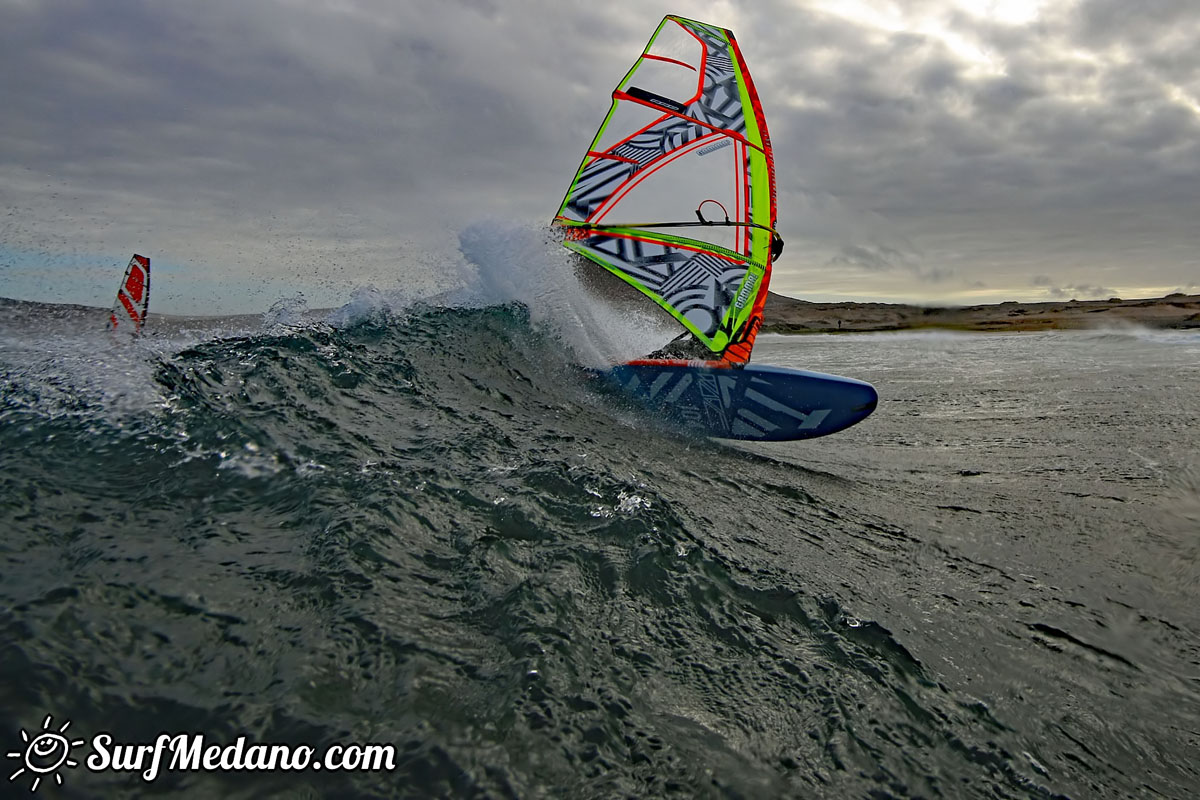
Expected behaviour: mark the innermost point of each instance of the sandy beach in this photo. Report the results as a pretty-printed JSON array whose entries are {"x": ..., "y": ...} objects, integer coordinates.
[{"x": 789, "y": 315}]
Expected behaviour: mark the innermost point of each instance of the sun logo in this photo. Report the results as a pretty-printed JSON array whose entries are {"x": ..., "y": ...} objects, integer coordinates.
[{"x": 45, "y": 753}]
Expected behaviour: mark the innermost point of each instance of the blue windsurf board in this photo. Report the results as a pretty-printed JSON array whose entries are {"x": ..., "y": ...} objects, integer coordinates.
[{"x": 758, "y": 403}]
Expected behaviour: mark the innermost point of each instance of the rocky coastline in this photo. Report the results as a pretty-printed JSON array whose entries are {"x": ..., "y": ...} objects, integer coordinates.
[{"x": 789, "y": 315}]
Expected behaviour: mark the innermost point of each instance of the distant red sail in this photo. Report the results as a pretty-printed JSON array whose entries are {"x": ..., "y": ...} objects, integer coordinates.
[{"x": 133, "y": 298}]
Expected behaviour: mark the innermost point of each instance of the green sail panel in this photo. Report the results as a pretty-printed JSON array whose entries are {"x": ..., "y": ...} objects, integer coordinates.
[{"x": 685, "y": 131}]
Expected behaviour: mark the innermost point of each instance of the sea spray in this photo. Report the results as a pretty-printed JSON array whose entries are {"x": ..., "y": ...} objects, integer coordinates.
[{"x": 529, "y": 265}]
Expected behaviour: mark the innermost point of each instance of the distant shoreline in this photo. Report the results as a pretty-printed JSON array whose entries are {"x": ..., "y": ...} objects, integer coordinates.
[{"x": 790, "y": 316}]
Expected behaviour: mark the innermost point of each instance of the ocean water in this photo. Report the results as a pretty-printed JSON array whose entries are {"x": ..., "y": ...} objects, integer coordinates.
[{"x": 419, "y": 524}]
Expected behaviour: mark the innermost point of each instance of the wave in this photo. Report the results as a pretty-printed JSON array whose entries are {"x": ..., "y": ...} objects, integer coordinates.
[{"x": 423, "y": 524}]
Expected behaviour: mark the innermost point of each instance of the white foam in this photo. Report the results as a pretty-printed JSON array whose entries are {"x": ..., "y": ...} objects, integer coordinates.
[
  {"x": 505, "y": 262},
  {"x": 68, "y": 374},
  {"x": 529, "y": 264}
]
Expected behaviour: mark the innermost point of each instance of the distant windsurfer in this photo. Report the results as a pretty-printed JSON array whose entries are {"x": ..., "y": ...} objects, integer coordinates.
[{"x": 133, "y": 297}]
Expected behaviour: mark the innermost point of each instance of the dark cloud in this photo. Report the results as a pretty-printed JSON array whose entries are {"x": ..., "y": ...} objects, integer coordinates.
[
  {"x": 873, "y": 259},
  {"x": 876, "y": 258},
  {"x": 1114, "y": 23}
]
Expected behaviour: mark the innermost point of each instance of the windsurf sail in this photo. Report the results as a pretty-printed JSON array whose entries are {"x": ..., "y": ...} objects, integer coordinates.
[
  {"x": 133, "y": 297},
  {"x": 676, "y": 193}
]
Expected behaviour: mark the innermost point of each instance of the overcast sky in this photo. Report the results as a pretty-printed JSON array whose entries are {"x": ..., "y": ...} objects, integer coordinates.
[{"x": 937, "y": 151}]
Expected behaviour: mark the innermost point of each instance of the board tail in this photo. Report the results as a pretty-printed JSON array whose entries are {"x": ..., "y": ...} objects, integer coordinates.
[{"x": 133, "y": 297}]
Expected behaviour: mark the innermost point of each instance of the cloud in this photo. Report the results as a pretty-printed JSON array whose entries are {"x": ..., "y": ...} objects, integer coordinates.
[
  {"x": 875, "y": 259},
  {"x": 1081, "y": 292},
  {"x": 881, "y": 258},
  {"x": 288, "y": 139}
]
